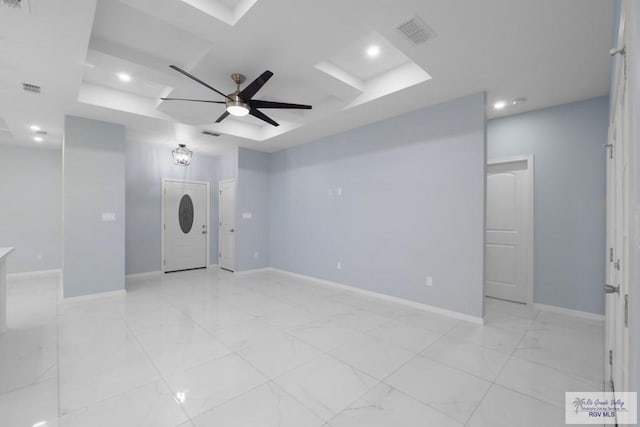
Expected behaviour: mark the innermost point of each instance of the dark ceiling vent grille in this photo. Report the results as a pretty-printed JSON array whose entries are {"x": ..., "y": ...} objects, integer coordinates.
[
  {"x": 41, "y": 132},
  {"x": 13, "y": 3},
  {"x": 208, "y": 132},
  {"x": 31, "y": 88},
  {"x": 416, "y": 30}
]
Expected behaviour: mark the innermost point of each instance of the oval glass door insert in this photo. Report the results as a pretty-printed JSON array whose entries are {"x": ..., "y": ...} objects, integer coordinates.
[{"x": 185, "y": 214}]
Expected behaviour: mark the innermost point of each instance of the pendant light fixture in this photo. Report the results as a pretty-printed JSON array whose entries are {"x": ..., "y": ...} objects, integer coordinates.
[{"x": 182, "y": 155}]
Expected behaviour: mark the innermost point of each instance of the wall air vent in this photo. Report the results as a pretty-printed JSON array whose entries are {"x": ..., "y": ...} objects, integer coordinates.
[
  {"x": 416, "y": 30},
  {"x": 41, "y": 132},
  {"x": 31, "y": 88},
  {"x": 208, "y": 132}
]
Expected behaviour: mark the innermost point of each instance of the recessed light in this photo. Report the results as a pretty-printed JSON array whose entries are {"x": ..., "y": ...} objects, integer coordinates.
[
  {"x": 517, "y": 101},
  {"x": 373, "y": 51},
  {"x": 124, "y": 77},
  {"x": 499, "y": 105},
  {"x": 34, "y": 128},
  {"x": 38, "y": 139}
]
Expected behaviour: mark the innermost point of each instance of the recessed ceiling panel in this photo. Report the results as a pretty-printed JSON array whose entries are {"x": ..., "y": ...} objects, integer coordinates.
[
  {"x": 355, "y": 59},
  {"x": 124, "y": 25},
  {"x": 228, "y": 11},
  {"x": 108, "y": 76}
]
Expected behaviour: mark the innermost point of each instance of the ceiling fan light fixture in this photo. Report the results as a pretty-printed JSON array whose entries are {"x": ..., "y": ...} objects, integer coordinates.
[{"x": 237, "y": 108}]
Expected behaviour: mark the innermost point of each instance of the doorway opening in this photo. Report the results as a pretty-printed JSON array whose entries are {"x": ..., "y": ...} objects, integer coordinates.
[
  {"x": 227, "y": 224},
  {"x": 509, "y": 230}
]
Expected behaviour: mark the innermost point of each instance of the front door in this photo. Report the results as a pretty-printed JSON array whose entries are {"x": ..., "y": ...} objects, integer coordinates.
[{"x": 185, "y": 225}]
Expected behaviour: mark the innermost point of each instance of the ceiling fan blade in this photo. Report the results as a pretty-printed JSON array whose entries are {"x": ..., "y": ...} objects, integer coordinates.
[
  {"x": 272, "y": 104},
  {"x": 193, "y": 100},
  {"x": 192, "y": 77},
  {"x": 253, "y": 87},
  {"x": 262, "y": 116},
  {"x": 222, "y": 117}
]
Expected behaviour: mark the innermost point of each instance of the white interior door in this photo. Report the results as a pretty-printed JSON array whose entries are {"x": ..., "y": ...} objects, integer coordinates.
[
  {"x": 508, "y": 237},
  {"x": 186, "y": 207},
  {"x": 617, "y": 369},
  {"x": 227, "y": 225}
]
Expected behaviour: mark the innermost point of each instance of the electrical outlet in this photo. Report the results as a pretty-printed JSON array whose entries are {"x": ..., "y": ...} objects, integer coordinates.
[
  {"x": 39, "y": 257},
  {"x": 256, "y": 254},
  {"x": 430, "y": 281},
  {"x": 339, "y": 191},
  {"x": 339, "y": 265}
]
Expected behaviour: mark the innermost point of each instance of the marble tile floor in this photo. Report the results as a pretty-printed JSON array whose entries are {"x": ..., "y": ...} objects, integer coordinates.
[{"x": 210, "y": 348}]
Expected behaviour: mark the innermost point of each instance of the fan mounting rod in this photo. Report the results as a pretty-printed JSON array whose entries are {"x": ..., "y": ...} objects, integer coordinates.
[{"x": 238, "y": 78}]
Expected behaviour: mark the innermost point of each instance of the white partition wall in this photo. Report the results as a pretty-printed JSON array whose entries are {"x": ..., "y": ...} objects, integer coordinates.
[{"x": 93, "y": 207}]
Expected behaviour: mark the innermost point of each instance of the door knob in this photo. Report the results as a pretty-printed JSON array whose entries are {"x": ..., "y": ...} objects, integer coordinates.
[
  {"x": 232, "y": 230},
  {"x": 609, "y": 289},
  {"x": 204, "y": 231}
]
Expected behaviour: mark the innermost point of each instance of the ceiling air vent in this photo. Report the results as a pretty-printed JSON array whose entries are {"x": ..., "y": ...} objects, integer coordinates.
[
  {"x": 13, "y": 3},
  {"x": 208, "y": 132},
  {"x": 42, "y": 132},
  {"x": 31, "y": 88},
  {"x": 416, "y": 30}
]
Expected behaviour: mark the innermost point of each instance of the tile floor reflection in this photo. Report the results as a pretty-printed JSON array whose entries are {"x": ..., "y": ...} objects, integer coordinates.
[{"x": 209, "y": 348}]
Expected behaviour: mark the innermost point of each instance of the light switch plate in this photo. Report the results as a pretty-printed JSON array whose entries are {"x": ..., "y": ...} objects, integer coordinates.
[
  {"x": 247, "y": 215},
  {"x": 108, "y": 216}
]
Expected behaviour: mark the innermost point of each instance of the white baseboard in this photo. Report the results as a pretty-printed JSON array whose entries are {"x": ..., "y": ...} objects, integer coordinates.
[
  {"x": 570, "y": 312},
  {"x": 34, "y": 274},
  {"x": 96, "y": 296},
  {"x": 413, "y": 304},
  {"x": 143, "y": 275},
  {"x": 255, "y": 270}
]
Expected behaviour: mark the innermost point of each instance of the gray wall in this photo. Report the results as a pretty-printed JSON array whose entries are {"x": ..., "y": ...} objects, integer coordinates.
[
  {"x": 93, "y": 183},
  {"x": 31, "y": 213},
  {"x": 252, "y": 197},
  {"x": 569, "y": 197},
  {"x": 412, "y": 205},
  {"x": 147, "y": 165},
  {"x": 229, "y": 165}
]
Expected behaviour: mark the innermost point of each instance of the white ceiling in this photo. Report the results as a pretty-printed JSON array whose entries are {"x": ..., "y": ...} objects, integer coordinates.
[{"x": 549, "y": 51}]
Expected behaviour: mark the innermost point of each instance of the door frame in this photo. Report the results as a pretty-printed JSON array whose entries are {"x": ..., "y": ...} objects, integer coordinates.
[
  {"x": 235, "y": 188},
  {"x": 162, "y": 227},
  {"x": 529, "y": 159}
]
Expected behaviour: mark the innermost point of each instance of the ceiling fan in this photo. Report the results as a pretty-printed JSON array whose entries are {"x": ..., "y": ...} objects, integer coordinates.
[{"x": 240, "y": 102}]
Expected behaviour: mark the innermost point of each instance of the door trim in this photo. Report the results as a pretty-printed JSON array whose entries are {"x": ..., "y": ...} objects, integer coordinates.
[
  {"x": 529, "y": 228},
  {"x": 162, "y": 230},
  {"x": 235, "y": 187}
]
